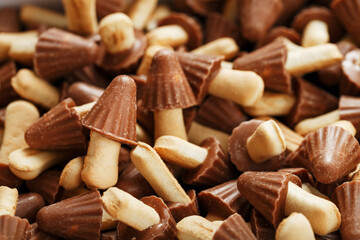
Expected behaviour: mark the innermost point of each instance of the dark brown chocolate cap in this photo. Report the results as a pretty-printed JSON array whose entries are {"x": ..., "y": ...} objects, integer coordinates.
[
  {"x": 258, "y": 16},
  {"x": 291, "y": 7},
  {"x": 145, "y": 117},
  {"x": 2, "y": 117},
  {"x": 131, "y": 181},
  {"x": 267, "y": 191},
  {"x": 221, "y": 114},
  {"x": 125, "y": 61},
  {"x": 234, "y": 227},
  {"x": 165, "y": 229},
  {"x": 7, "y": 93},
  {"x": 302, "y": 173},
  {"x": 106, "y": 7},
  {"x": 189, "y": 116},
  {"x": 216, "y": 168},
  {"x": 89, "y": 74},
  {"x": 124, "y": 159},
  {"x": 181, "y": 210},
  {"x": 330, "y": 236},
  {"x": 349, "y": 109},
  {"x": 9, "y": 21},
  {"x": 28, "y": 205},
  {"x": 298, "y": 158},
  {"x": 217, "y": 26},
  {"x": 239, "y": 155},
  {"x": 347, "y": 199},
  {"x": 111, "y": 235},
  {"x": 327, "y": 189},
  {"x": 319, "y": 13},
  {"x": 350, "y": 81},
  {"x": 140, "y": 81},
  {"x": 224, "y": 200},
  {"x": 167, "y": 86},
  {"x": 83, "y": 93},
  {"x": 7, "y": 178},
  {"x": 59, "y": 128},
  {"x": 281, "y": 31},
  {"x": 348, "y": 12},
  {"x": 189, "y": 24},
  {"x": 332, "y": 153},
  {"x": 199, "y": 7},
  {"x": 114, "y": 114},
  {"x": 47, "y": 185},
  {"x": 78, "y": 217},
  {"x": 311, "y": 101},
  {"x": 37, "y": 234},
  {"x": 261, "y": 227},
  {"x": 199, "y": 70},
  {"x": 269, "y": 62},
  {"x": 58, "y": 53},
  {"x": 14, "y": 228}
]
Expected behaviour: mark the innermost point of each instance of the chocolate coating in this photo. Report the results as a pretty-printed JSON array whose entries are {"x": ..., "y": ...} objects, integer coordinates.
[
  {"x": 164, "y": 230},
  {"x": 112, "y": 235},
  {"x": 7, "y": 178},
  {"x": 2, "y": 117},
  {"x": 37, "y": 234},
  {"x": 89, "y": 74},
  {"x": 261, "y": 227},
  {"x": 28, "y": 205},
  {"x": 234, "y": 227},
  {"x": 83, "y": 93},
  {"x": 14, "y": 228},
  {"x": 9, "y": 21},
  {"x": 349, "y": 109},
  {"x": 302, "y": 173},
  {"x": 276, "y": 32},
  {"x": 7, "y": 93},
  {"x": 106, "y": 7},
  {"x": 217, "y": 26},
  {"x": 182, "y": 210}
]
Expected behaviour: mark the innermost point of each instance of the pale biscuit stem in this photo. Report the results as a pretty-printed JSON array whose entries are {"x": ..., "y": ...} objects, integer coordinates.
[
  {"x": 322, "y": 214},
  {"x": 117, "y": 32},
  {"x": 346, "y": 125},
  {"x": 169, "y": 122},
  {"x": 81, "y": 16},
  {"x": 129, "y": 210},
  {"x": 293, "y": 140},
  {"x": 20, "y": 115},
  {"x": 242, "y": 87},
  {"x": 227, "y": 65},
  {"x": 316, "y": 32},
  {"x": 180, "y": 152},
  {"x": 34, "y": 15},
  {"x": 145, "y": 64},
  {"x": 309, "y": 188},
  {"x": 107, "y": 221},
  {"x": 312, "y": 59},
  {"x": 160, "y": 12},
  {"x": 291, "y": 46},
  {"x": 169, "y": 35},
  {"x": 312, "y": 124},
  {"x": 157, "y": 174},
  {"x": 84, "y": 109},
  {"x": 199, "y": 133},
  {"x": 142, "y": 136},
  {"x": 101, "y": 162},
  {"x": 266, "y": 142},
  {"x": 296, "y": 226},
  {"x": 226, "y": 47},
  {"x": 8, "y": 200},
  {"x": 212, "y": 217},
  {"x": 272, "y": 104},
  {"x": 140, "y": 11},
  {"x": 195, "y": 228},
  {"x": 27, "y": 163},
  {"x": 9, "y": 39},
  {"x": 70, "y": 178},
  {"x": 23, "y": 51},
  {"x": 35, "y": 89}
]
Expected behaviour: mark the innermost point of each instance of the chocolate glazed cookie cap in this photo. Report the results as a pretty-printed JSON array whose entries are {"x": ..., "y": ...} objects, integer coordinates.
[
  {"x": 83, "y": 93},
  {"x": 114, "y": 114},
  {"x": 14, "y": 228},
  {"x": 167, "y": 86},
  {"x": 58, "y": 53},
  {"x": 234, "y": 227},
  {"x": 7, "y": 93}
]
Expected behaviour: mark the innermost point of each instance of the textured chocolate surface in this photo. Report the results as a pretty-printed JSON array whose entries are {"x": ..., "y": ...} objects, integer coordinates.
[
  {"x": 28, "y": 205},
  {"x": 14, "y": 228},
  {"x": 239, "y": 155},
  {"x": 218, "y": 26},
  {"x": 267, "y": 191},
  {"x": 58, "y": 53},
  {"x": 7, "y": 178},
  {"x": 234, "y": 227},
  {"x": 59, "y": 128},
  {"x": 164, "y": 230},
  {"x": 350, "y": 82},
  {"x": 215, "y": 169},
  {"x": 9, "y": 21},
  {"x": 261, "y": 227},
  {"x": 7, "y": 93},
  {"x": 349, "y": 109},
  {"x": 167, "y": 86},
  {"x": 269, "y": 62},
  {"x": 302, "y": 173},
  {"x": 37, "y": 234},
  {"x": 118, "y": 104},
  {"x": 89, "y": 74},
  {"x": 276, "y": 32},
  {"x": 182, "y": 210},
  {"x": 199, "y": 70},
  {"x": 83, "y": 93},
  {"x": 75, "y": 218},
  {"x": 106, "y": 7}
]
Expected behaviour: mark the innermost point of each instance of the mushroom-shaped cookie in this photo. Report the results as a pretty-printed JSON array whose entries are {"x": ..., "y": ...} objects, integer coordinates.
[
  {"x": 296, "y": 226},
  {"x": 318, "y": 25},
  {"x": 256, "y": 145},
  {"x": 276, "y": 195},
  {"x": 122, "y": 45},
  {"x": 350, "y": 81},
  {"x": 118, "y": 104}
]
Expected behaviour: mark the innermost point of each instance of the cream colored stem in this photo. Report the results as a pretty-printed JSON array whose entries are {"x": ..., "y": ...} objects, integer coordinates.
[
  {"x": 310, "y": 189},
  {"x": 226, "y": 47},
  {"x": 169, "y": 35},
  {"x": 84, "y": 109},
  {"x": 346, "y": 125},
  {"x": 199, "y": 133},
  {"x": 296, "y": 226},
  {"x": 195, "y": 228},
  {"x": 312, "y": 59},
  {"x": 145, "y": 64},
  {"x": 322, "y": 214},
  {"x": 242, "y": 87},
  {"x": 266, "y": 142},
  {"x": 160, "y": 12},
  {"x": 154, "y": 170},
  {"x": 70, "y": 178},
  {"x": 180, "y": 152},
  {"x": 34, "y": 15},
  {"x": 316, "y": 32},
  {"x": 129, "y": 210},
  {"x": 101, "y": 162},
  {"x": 169, "y": 122},
  {"x": 107, "y": 221},
  {"x": 8, "y": 200},
  {"x": 140, "y": 12}
]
